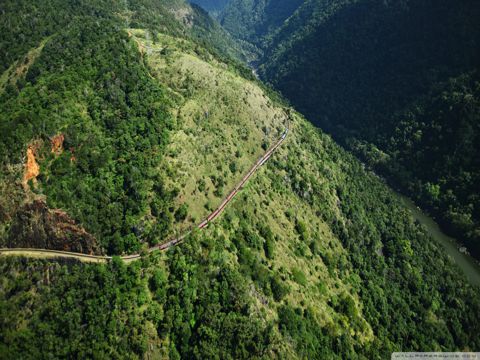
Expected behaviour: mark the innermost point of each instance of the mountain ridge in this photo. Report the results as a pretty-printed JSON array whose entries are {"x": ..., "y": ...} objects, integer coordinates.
[
  {"x": 385, "y": 79},
  {"x": 315, "y": 257}
]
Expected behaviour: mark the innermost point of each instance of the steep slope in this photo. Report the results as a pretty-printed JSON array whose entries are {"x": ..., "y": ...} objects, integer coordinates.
[
  {"x": 84, "y": 126},
  {"x": 91, "y": 97},
  {"x": 35, "y": 22},
  {"x": 314, "y": 259},
  {"x": 212, "y": 6},
  {"x": 254, "y": 22},
  {"x": 397, "y": 83},
  {"x": 223, "y": 123}
]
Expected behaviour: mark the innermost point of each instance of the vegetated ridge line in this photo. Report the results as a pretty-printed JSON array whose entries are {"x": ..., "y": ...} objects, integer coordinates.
[{"x": 43, "y": 253}]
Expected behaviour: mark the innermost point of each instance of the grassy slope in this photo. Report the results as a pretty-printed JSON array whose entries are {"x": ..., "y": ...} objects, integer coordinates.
[
  {"x": 222, "y": 121},
  {"x": 55, "y": 83},
  {"x": 310, "y": 181},
  {"x": 334, "y": 234},
  {"x": 270, "y": 203},
  {"x": 394, "y": 117},
  {"x": 241, "y": 117},
  {"x": 202, "y": 145}
]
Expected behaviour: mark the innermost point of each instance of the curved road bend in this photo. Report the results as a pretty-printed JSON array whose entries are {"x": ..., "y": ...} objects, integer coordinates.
[{"x": 45, "y": 253}]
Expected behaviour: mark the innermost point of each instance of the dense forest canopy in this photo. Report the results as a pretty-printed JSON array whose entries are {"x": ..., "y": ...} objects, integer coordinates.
[
  {"x": 213, "y": 6},
  {"x": 314, "y": 258},
  {"x": 73, "y": 73},
  {"x": 89, "y": 84},
  {"x": 253, "y": 20},
  {"x": 253, "y": 23},
  {"x": 390, "y": 289},
  {"x": 396, "y": 82}
]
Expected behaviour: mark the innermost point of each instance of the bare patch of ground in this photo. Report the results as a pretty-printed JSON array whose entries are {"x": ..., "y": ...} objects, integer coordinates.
[
  {"x": 57, "y": 144},
  {"x": 36, "y": 226},
  {"x": 32, "y": 169}
]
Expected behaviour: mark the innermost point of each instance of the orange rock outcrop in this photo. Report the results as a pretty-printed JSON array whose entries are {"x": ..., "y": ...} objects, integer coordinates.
[
  {"x": 32, "y": 169},
  {"x": 57, "y": 144}
]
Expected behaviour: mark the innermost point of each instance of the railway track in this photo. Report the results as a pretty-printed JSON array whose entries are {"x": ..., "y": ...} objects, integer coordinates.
[{"x": 45, "y": 253}]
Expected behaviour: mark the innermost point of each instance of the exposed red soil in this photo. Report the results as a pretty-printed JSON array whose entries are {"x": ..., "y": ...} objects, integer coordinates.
[
  {"x": 57, "y": 144},
  {"x": 32, "y": 169}
]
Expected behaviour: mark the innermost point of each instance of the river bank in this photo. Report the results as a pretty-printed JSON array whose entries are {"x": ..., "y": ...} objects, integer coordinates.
[{"x": 467, "y": 264}]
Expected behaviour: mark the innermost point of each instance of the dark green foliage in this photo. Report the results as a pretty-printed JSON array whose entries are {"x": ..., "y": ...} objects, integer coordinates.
[
  {"x": 25, "y": 23},
  {"x": 312, "y": 341},
  {"x": 200, "y": 303},
  {"x": 181, "y": 213},
  {"x": 219, "y": 183},
  {"x": 207, "y": 312},
  {"x": 442, "y": 175},
  {"x": 396, "y": 82},
  {"x": 211, "y": 35},
  {"x": 158, "y": 285},
  {"x": 212, "y": 6},
  {"x": 346, "y": 306},
  {"x": 201, "y": 185},
  {"x": 70, "y": 311},
  {"x": 279, "y": 288},
  {"x": 116, "y": 143},
  {"x": 254, "y": 21},
  {"x": 400, "y": 288},
  {"x": 269, "y": 248},
  {"x": 90, "y": 84}
]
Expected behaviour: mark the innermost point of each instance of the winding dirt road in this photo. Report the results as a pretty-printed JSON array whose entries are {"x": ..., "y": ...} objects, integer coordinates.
[{"x": 55, "y": 254}]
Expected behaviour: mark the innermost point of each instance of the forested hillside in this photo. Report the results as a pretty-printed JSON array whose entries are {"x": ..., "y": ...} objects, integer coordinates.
[
  {"x": 36, "y": 21},
  {"x": 125, "y": 126},
  {"x": 315, "y": 261},
  {"x": 82, "y": 113},
  {"x": 253, "y": 23},
  {"x": 397, "y": 83},
  {"x": 253, "y": 20},
  {"x": 212, "y": 6}
]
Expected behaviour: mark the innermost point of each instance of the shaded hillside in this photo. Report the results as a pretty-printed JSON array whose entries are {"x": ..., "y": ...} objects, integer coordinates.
[
  {"x": 397, "y": 83},
  {"x": 137, "y": 134},
  {"x": 253, "y": 23},
  {"x": 212, "y": 6}
]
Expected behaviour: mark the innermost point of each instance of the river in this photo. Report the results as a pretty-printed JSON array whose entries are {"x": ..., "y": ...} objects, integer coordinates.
[{"x": 468, "y": 264}]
